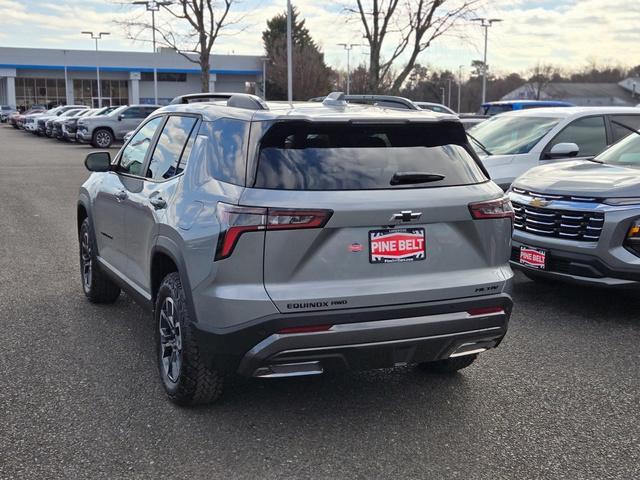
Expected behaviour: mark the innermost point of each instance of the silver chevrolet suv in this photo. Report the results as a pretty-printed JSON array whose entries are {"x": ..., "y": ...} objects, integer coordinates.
[
  {"x": 102, "y": 131},
  {"x": 275, "y": 240}
]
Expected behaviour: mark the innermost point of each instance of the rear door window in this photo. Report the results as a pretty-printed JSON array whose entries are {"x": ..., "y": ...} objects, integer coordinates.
[
  {"x": 588, "y": 133},
  {"x": 618, "y": 123},
  {"x": 316, "y": 156}
]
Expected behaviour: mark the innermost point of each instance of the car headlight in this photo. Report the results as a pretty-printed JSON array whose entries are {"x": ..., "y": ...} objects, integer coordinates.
[{"x": 623, "y": 201}]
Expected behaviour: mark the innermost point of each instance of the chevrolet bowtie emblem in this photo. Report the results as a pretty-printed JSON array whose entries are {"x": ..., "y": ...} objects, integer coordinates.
[
  {"x": 405, "y": 216},
  {"x": 539, "y": 202}
]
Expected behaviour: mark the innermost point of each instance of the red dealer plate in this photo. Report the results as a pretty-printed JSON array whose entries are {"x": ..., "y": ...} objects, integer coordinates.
[
  {"x": 533, "y": 257},
  {"x": 397, "y": 245}
]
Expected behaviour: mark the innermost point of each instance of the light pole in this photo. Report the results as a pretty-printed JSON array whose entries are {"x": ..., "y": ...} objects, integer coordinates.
[
  {"x": 459, "y": 87},
  {"x": 96, "y": 37},
  {"x": 485, "y": 23},
  {"x": 153, "y": 6},
  {"x": 348, "y": 47},
  {"x": 289, "y": 54}
]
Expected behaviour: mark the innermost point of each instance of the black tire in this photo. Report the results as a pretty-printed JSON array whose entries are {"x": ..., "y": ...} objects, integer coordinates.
[
  {"x": 97, "y": 286},
  {"x": 448, "y": 365},
  {"x": 191, "y": 381},
  {"x": 102, "y": 138}
]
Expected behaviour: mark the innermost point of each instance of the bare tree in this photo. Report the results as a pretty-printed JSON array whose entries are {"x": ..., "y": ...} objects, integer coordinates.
[
  {"x": 412, "y": 25},
  {"x": 541, "y": 76},
  {"x": 200, "y": 25}
]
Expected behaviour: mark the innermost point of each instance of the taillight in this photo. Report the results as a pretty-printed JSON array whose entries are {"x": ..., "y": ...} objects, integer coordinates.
[
  {"x": 500, "y": 208},
  {"x": 236, "y": 220}
]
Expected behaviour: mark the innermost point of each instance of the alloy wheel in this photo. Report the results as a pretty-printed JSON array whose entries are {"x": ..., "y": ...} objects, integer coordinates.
[
  {"x": 86, "y": 262},
  {"x": 170, "y": 340},
  {"x": 103, "y": 139}
]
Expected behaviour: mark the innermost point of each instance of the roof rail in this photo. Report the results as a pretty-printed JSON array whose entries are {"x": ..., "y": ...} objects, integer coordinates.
[
  {"x": 238, "y": 100},
  {"x": 248, "y": 101},
  {"x": 391, "y": 101}
]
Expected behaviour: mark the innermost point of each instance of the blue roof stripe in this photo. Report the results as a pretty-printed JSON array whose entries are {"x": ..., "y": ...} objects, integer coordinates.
[{"x": 84, "y": 68}]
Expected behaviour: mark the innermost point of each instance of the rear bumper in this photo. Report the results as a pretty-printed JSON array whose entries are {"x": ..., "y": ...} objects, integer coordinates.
[{"x": 358, "y": 339}]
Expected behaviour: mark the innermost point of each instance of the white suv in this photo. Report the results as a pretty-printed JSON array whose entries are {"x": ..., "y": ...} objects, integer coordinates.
[{"x": 514, "y": 142}]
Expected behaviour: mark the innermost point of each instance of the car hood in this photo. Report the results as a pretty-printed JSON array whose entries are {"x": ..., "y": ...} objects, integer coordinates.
[{"x": 582, "y": 178}]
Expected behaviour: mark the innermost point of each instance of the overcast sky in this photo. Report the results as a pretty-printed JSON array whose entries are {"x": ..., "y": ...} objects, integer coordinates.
[{"x": 568, "y": 33}]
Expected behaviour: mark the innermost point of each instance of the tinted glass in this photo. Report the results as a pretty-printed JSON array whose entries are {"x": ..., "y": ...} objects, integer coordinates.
[
  {"x": 133, "y": 112},
  {"x": 619, "y": 121},
  {"x": 134, "y": 153},
  {"x": 496, "y": 109},
  {"x": 508, "y": 135},
  {"x": 304, "y": 156},
  {"x": 166, "y": 156},
  {"x": 226, "y": 149},
  {"x": 626, "y": 152},
  {"x": 146, "y": 111},
  {"x": 588, "y": 133}
]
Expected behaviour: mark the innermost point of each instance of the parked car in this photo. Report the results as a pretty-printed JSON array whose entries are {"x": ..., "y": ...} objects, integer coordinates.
[
  {"x": 579, "y": 221},
  {"x": 41, "y": 121},
  {"x": 49, "y": 124},
  {"x": 5, "y": 112},
  {"x": 514, "y": 142},
  {"x": 68, "y": 118},
  {"x": 435, "y": 107},
  {"x": 17, "y": 120},
  {"x": 70, "y": 126},
  {"x": 258, "y": 235},
  {"x": 103, "y": 130},
  {"x": 494, "y": 108},
  {"x": 471, "y": 120}
]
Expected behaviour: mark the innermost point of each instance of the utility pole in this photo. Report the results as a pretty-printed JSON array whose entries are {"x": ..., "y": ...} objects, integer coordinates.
[
  {"x": 96, "y": 37},
  {"x": 153, "y": 6},
  {"x": 289, "y": 54},
  {"x": 348, "y": 47},
  {"x": 442, "y": 89},
  {"x": 485, "y": 23},
  {"x": 449, "y": 95},
  {"x": 264, "y": 77}
]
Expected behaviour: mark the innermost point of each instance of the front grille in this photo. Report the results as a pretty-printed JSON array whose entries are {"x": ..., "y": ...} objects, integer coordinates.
[{"x": 549, "y": 222}]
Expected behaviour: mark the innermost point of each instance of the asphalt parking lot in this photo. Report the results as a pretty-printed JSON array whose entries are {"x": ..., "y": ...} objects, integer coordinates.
[{"x": 81, "y": 397}]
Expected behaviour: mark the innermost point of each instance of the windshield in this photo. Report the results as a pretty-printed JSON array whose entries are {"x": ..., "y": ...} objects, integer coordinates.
[
  {"x": 509, "y": 135},
  {"x": 626, "y": 152}
]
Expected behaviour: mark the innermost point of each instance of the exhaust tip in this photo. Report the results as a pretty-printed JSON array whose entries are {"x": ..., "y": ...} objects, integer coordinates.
[{"x": 289, "y": 370}]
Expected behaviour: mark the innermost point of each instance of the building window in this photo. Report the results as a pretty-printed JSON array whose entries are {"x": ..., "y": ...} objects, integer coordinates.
[
  {"x": 164, "y": 77},
  {"x": 113, "y": 92},
  {"x": 49, "y": 92}
]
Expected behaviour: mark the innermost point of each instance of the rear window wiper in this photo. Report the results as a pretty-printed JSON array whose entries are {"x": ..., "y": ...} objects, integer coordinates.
[
  {"x": 479, "y": 143},
  {"x": 408, "y": 178}
]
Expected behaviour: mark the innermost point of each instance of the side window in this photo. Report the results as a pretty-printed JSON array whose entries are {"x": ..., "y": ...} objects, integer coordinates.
[
  {"x": 133, "y": 155},
  {"x": 617, "y": 122},
  {"x": 133, "y": 112},
  {"x": 588, "y": 133},
  {"x": 166, "y": 156},
  {"x": 227, "y": 149},
  {"x": 146, "y": 111}
]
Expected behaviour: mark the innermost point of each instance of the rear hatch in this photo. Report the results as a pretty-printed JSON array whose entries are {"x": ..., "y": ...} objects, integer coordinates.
[{"x": 364, "y": 215}]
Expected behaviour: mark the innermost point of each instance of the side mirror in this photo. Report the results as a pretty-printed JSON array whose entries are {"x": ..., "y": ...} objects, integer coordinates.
[
  {"x": 120, "y": 117},
  {"x": 98, "y": 162},
  {"x": 563, "y": 150}
]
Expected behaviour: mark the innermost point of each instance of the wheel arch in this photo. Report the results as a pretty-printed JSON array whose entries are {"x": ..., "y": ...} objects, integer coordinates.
[{"x": 167, "y": 258}]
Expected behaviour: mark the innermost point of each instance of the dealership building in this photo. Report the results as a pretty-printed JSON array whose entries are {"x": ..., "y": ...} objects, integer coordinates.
[{"x": 37, "y": 76}]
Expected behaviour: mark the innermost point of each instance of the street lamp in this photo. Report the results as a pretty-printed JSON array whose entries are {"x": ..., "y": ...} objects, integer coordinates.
[
  {"x": 485, "y": 23},
  {"x": 264, "y": 77},
  {"x": 459, "y": 87},
  {"x": 289, "y": 53},
  {"x": 153, "y": 7},
  {"x": 96, "y": 37},
  {"x": 348, "y": 47}
]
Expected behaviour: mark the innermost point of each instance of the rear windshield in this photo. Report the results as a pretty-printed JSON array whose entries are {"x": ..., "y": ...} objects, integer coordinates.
[{"x": 330, "y": 156}]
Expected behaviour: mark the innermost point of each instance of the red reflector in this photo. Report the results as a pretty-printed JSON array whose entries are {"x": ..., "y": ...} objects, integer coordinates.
[
  {"x": 309, "y": 329},
  {"x": 475, "y": 312}
]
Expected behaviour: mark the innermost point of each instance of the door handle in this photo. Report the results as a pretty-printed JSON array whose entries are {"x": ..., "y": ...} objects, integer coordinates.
[
  {"x": 121, "y": 195},
  {"x": 158, "y": 203}
]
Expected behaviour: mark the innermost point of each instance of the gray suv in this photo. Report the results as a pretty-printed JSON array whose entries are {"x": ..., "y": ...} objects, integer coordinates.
[
  {"x": 579, "y": 221},
  {"x": 101, "y": 131},
  {"x": 272, "y": 240}
]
